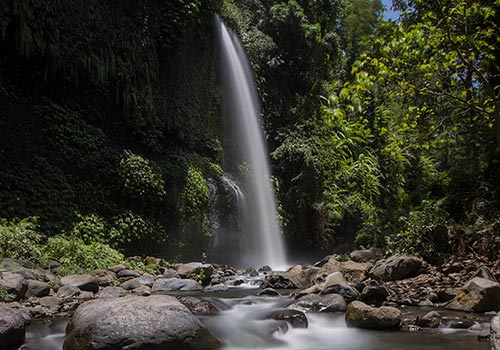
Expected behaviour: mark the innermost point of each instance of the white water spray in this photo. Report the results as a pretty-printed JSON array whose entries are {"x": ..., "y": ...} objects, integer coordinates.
[{"x": 262, "y": 234}]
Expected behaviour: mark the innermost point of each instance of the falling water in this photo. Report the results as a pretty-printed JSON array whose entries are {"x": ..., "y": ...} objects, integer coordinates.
[{"x": 261, "y": 231}]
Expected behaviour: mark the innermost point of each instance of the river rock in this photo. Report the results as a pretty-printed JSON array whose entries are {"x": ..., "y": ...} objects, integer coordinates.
[
  {"x": 396, "y": 267},
  {"x": 127, "y": 274},
  {"x": 117, "y": 268},
  {"x": 360, "y": 315},
  {"x": 431, "y": 319},
  {"x": 269, "y": 292},
  {"x": 457, "y": 322},
  {"x": 137, "y": 282},
  {"x": 374, "y": 292},
  {"x": 52, "y": 303},
  {"x": 294, "y": 317},
  {"x": 105, "y": 278},
  {"x": 83, "y": 282},
  {"x": 142, "y": 290},
  {"x": 37, "y": 289},
  {"x": 366, "y": 255},
  {"x": 170, "y": 273},
  {"x": 14, "y": 284},
  {"x": 295, "y": 277},
  {"x": 111, "y": 292},
  {"x": 346, "y": 291},
  {"x": 495, "y": 332},
  {"x": 196, "y": 271},
  {"x": 319, "y": 303},
  {"x": 477, "y": 295},
  {"x": 353, "y": 271},
  {"x": 172, "y": 284},
  {"x": 12, "y": 330},
  {"x": 134, "y": 322},
  {"x": 68, "y": 291},
  {"x": 198, "y": 306},
  {"x": 219, "y": 287}
]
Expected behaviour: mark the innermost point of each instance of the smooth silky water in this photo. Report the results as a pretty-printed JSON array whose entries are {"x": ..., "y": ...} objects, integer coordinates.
[{"x": 240, "y": 326}]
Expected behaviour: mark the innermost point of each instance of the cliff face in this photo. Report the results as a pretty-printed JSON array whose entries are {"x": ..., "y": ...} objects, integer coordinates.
[{"x": 110, "y": 119}]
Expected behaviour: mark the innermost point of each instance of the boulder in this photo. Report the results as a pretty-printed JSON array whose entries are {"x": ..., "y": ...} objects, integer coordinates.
[
  {"x": 198, "y": 306},
  {"x": 346, "y": 291},
  {"x": 477, "y": 295},
  {"x": 294, "y": 317},
  {"x": 270, "y": 292},
  {"x": 173, "y": 284},
  {"x": 431, "y": 319},
  {"x": 366, "y": 255},
  {"x": 117, "y": 268},
  {"x": 396, "y": 267},
  {"x": 170, "y": 273},
  {"x": 111, "y": 292},
  {"x": 135, "y": 322},
  {"x": 220, "y": 287},
  {"x": 353, "y": 271},
  {"x": 83, "y": 282},
  {"x": 12, "y": 330},
  {"x": 127, "y": 274},
  {"x": 14, "y": 284},
  {"x": 137, "y": 282},
  {"x": 51, "y": 303},
  {"x": 295, "y": 277},
  {"x": 68, "y": 291},
  {"x": 319, "y": 303},
  {"x": 196, "y": 271},
  {"x": 37, "y": 289},
  {"x": 374, "y": 293},
  {"x": 142, "y": 290},
  {"x": 360, "y": 315},
  {"x": 105, "y": 278},
  {"x": 495, "y": 332}
]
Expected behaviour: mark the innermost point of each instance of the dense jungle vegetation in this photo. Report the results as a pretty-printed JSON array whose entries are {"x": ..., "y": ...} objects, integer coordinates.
[{"x": 381, "y": 132}]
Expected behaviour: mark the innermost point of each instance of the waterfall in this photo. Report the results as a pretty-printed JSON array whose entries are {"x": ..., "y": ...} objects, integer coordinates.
[{"x": 263, "y": 242}]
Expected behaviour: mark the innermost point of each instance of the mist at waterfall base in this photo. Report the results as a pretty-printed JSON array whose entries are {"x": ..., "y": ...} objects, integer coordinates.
[{"x": 258, "y": 238}]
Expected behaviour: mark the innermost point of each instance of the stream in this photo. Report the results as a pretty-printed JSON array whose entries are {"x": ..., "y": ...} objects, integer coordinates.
[{"x": 240, "y": 325}]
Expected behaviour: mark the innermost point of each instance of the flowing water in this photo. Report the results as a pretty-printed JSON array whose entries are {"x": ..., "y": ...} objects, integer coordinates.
[
  {"x": 263, "y": 243},
  {"x": 241, "y": 324}
]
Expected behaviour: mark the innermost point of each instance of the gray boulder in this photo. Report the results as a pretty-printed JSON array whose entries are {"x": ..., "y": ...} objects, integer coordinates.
[
  {"x": 37, "y": 289},
  {"x": 396, "y": 267},
  {"x": 294, "y": 317},
  {"x": 133, "y": 322},
  {"x": 374, "y": 292},
  {"x": 198, "y": 306},
  {"x": 495, "y": 332},
  {"x": 83, "y": 282},
  {"x": 14, "y": 284},
  {"x": 68, "y": 291},
  {"x": 431, "y": 319},
  {"x": 346, "y": 291},
  {"x": 127, "y": 274},
  {"x": 12, "y": 330},
  {"x": 173, "y": 284},
  {"x": 365, "y": 254},
  {"x": 477, "y": 295},
  {"x": 111, "y": 292},
  {"x": 319, "y": 303},
  {"x": 137, "y": 282},
  {"x": 360, "y": 315},
  {"x": 198, "y": 271}
]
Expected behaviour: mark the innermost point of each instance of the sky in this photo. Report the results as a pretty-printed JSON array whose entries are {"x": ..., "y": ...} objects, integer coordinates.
[{"x": 389, "y": 14}]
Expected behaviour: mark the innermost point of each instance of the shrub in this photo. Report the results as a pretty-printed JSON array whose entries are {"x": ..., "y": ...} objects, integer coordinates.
[
  {"x": 133, "y": 232},
  {"x": 90, "y": 228},
  {"x": 75, "y": 255},
  {"x": 140, "y": 179},
  {"x": 20, "y": 240}
]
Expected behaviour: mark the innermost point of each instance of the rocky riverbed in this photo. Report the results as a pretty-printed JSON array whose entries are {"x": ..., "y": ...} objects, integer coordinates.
[{"x": 362, "y": 292}]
